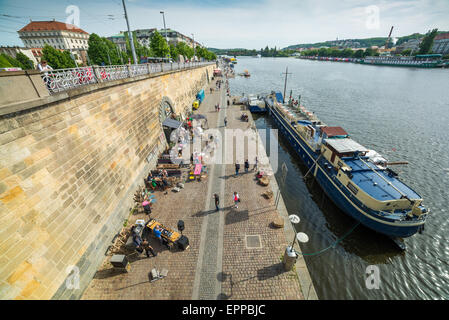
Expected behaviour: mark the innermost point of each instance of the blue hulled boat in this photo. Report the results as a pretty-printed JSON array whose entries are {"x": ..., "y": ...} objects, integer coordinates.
[
  {"x": 256, "y": 104},
  {"x": 356, "y": 179}
]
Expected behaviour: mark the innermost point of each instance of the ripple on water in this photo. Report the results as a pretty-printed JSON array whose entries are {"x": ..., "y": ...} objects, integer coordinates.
[{"x": 399, "y": 112}]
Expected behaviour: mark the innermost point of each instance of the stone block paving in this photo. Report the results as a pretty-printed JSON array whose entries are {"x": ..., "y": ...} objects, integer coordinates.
[
  {"x": 186, "y": 205},
  {"x": 252, "y": 273},
  {"x": 247, "y": 273}
]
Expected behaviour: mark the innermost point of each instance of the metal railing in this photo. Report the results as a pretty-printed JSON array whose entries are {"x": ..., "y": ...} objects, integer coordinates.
[{"x": 65, "y": 79}]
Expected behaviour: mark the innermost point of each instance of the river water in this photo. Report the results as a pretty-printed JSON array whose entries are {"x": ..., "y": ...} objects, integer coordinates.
[{"x": 402, "y": 113}]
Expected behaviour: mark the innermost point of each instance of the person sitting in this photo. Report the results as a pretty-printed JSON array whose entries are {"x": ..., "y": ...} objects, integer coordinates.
[
  {"x": 137, "y": 240},
  {"x": 153, "y": 184},
  {"x": 164, "y": 184}
]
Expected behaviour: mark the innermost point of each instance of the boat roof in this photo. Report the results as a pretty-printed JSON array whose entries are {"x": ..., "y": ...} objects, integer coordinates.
[
  {"x": 334, "y": 131},
  {"x": 345, "y": 145},
  {"x": 370, "y": 181},
  {"x": 279, "y": 97}
]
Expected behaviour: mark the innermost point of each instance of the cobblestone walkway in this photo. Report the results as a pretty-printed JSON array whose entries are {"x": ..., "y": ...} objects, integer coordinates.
[{"x": 234, "y": 253}]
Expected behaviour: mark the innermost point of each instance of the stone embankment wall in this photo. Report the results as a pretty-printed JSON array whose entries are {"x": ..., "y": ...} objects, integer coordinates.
[{"x": 69, "y": 166}]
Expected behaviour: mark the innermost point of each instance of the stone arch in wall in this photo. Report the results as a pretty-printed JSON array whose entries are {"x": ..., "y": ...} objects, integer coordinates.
[{"x": 166, "y": 109}]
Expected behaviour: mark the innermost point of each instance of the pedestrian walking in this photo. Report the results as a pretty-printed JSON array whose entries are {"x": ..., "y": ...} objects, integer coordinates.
[
  {"x": 246, "y": 165},
  {"x": 217, "y": 201},
  {"x": 255, "y": 164},
  {"x": 218, "y": 106},
  {"x": 236, "y": 199},
  {"x": 228, "y": 103},
  {"x": 237, "y": 168},
  {"x": 225, "y": 121},
  {"x": 148, "y": 249}
]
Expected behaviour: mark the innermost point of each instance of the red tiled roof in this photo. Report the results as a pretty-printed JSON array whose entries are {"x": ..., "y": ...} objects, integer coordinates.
[
  {"x": 334, "y": 131},
  {"x": 442, "y": 36},
  {"x": 51, "y": 26}
]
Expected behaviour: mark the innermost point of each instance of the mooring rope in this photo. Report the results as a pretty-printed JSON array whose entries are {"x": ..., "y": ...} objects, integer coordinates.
[{"x": 332, "y": 245}]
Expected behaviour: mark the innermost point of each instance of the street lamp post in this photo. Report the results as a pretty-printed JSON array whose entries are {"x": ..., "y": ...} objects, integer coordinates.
[
  {"x": 131, "y": 38},
  {"x": 165, "y": 28}
]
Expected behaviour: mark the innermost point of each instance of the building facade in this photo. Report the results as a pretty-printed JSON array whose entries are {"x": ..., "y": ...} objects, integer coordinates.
[
  {"x": 412, "y": 44},
  {"x": 174, "y": 37},
  {"x": 441, "y": 43},
  {"x": 59, "y": 35},
  {"x": 143, "y": 37},
  {"x": 119, "y": 40}
]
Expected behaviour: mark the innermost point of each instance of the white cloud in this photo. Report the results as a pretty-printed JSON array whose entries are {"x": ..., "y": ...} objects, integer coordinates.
[{"x": 270, "y": 22}]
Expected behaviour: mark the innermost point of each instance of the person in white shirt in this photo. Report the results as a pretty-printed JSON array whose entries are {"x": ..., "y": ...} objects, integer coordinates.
[{"x": 44, "y": 67}]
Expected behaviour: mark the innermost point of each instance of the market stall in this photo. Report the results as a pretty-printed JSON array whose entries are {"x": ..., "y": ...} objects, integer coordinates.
[{"x": 168, "y": 235}]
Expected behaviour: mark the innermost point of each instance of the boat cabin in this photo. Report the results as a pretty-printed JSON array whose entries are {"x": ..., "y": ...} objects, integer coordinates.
[
  {"x": 335, "y": 149},
  {"x": 333, "y": 132}
]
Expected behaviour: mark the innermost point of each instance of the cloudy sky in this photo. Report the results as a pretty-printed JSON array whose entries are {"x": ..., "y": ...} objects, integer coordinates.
[{"x": 250, "y": 24}]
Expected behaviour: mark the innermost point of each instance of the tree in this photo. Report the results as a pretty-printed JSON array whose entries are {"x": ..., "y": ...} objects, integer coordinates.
[
  {"x": 368, "y": 52},
  {"x": 57, "y": 59},
  {"x": 4, "y": 61},
  {"x": 406, "y": 52},
  {"x": 10, "y": 62},
  {"x": 158, "y": 45},
  {"x": 426, "y": 44},
  {"x": 97, "y": 50},
  {"x": 185, "y": 50},
  {"x": 358, "y": 54},
  {"x": 174, "y": 53},
  {"x": 347, "y": 53},
  {"x": 25, "y": 61}
]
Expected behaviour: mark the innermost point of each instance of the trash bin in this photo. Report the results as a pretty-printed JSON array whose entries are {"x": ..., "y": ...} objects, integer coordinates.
[{"x": 289, "y": 258}]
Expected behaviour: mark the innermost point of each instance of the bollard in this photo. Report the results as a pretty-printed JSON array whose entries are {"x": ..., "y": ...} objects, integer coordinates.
[{"x": 289, "y": 258}]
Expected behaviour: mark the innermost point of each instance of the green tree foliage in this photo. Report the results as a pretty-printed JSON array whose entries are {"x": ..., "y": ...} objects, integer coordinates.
[
  {"x": 158, "y": 45},
  {"x": 4, "y": 61},
  {"x": 345, "y": 53},
  {"x": 9, "y": 62},
  {"x": 103, "y": 51},
  {"x": 174, "y": 53},
  {"x": 358, "y": 54},
  {"x": 368, "y": 52},
  {"x": 57, "y": 59},
  {"x": 98, "y": 50},
  {"x": 406, "y": 52},
  {"x": 141, "y": 51},
  {"x": 25, "y": 61},
  {"x": 426, "y": 44},
  {"x": 185, "y": 50},
  {"x": 205, "y": 54}
]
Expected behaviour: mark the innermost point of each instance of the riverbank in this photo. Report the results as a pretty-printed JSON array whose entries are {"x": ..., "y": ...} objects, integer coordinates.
[{"x": 234, "y": 253}]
